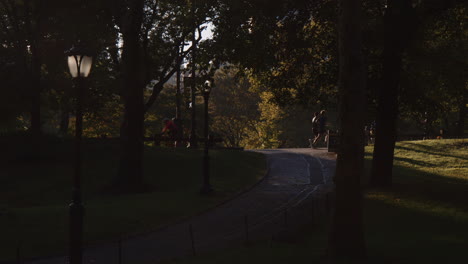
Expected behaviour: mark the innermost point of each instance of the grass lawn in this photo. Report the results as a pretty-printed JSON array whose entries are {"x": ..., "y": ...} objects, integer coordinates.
[
  {"x": 422, "y": 219},
  {"x": 35, "y": 193}
]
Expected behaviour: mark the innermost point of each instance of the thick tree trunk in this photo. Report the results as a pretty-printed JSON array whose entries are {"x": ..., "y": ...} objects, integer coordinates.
[
  {"x": 397, "y": 24},
  {"x": 130, "y": 173},
  {"x": 347, "y": 236}
]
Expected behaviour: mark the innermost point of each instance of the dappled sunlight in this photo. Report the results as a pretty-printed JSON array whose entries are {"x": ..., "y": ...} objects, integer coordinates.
[
  {"x": 445, "y": 158},
  {"x": 458, "y": 148},
  {"x": 458, "y": 173},
  {"x": 430, "y": 177}
]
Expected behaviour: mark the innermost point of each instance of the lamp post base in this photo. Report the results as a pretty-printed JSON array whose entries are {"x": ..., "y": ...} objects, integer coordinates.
[{"x": 76, "y": 233}]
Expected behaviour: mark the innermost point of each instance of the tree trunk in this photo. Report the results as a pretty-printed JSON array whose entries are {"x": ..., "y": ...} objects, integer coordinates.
[
  {"x": 347, "y": 236},
  {"x": 32, "y": 21},
  {"x": 130, "y": 173},
  {"x": 396, "y": 25},
  {"x": 35, "y": 92},
  {"x": 462, "y": 116},
  {"x": 64, "y": 121}
]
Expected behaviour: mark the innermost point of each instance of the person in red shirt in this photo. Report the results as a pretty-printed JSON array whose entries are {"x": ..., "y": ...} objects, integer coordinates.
[{"x": 169, "y": 128}]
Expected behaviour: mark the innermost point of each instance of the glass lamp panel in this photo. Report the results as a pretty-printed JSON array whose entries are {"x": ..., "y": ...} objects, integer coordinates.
[
  {"x": 85, "y": 67},
  {"x": 207, "y": 86},
  {"x": 73, "y": 66}
]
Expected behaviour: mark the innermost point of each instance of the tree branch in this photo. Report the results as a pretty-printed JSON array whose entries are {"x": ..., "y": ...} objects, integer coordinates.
[{"x": 157, "y": 88}]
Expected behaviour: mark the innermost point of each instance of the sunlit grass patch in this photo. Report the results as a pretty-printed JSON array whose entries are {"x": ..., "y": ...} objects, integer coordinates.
[{"x": 423, "y": 218}]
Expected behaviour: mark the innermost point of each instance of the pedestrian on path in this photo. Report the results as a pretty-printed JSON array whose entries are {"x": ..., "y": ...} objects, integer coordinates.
[
  {"x": 315, "y": 127},
  {"x": 322, "y": 131}
]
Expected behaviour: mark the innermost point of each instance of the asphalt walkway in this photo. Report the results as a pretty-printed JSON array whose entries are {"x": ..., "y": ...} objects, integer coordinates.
[{"x": 281, "y": 199}]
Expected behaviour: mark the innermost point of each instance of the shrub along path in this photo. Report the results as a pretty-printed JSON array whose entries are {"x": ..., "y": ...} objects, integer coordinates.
[{"x": 275, "y": 204}]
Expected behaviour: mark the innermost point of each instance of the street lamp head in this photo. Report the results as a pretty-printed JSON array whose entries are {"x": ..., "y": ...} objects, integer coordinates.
[
  {"x": 79, "y": 62},
  {"x": 207, "y": 86}
]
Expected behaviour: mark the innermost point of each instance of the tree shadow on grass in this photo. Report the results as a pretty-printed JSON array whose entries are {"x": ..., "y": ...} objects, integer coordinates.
[
  {"x": 422, "y": 218},
  {"x": 427, "y": 188},
  {"x": 430, "y": 150},
  {"x": 421, "y": 184},
  {"x": 415, "y": 162}
]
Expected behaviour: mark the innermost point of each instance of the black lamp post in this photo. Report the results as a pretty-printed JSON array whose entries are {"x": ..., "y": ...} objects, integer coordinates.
[
  {"x": 193, "y": 124},
  {"x": 206, "y": 188},
  {"x": 190, "y": 81},
  {"x": 178, "y": 115},
  {"x": 79, "y": 64}
]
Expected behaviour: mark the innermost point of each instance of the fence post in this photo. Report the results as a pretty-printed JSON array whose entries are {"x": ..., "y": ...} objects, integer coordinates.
[
  {"x": 120, "y": 250},
  {"x": 313, "y": 211},
  {"x": 286, "y": 217},
  {"x": 246, "y": 227},
  {"x": 327, "y": 204},
  {"x": 192, "y": 240},
  {"x": 18, "y": 253}
]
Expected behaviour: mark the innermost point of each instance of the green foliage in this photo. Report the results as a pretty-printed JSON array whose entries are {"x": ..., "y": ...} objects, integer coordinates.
[
  {"x": 289, "y": 47},
  {"x": 285, "y": 48},
  {"x": 268, "y": 126},
  {"x": 280, "y": 125},
  {"x": 51, "y": 30},
  {"x": 234, "y": 108},
  {"x": 434, "y": 84},
  {"x": 164, "y": 108},
  {"x": 244, "y": 115}
]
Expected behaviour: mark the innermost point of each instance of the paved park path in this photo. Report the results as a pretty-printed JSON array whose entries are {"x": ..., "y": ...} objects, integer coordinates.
[{"x": 281, "y": 199}]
